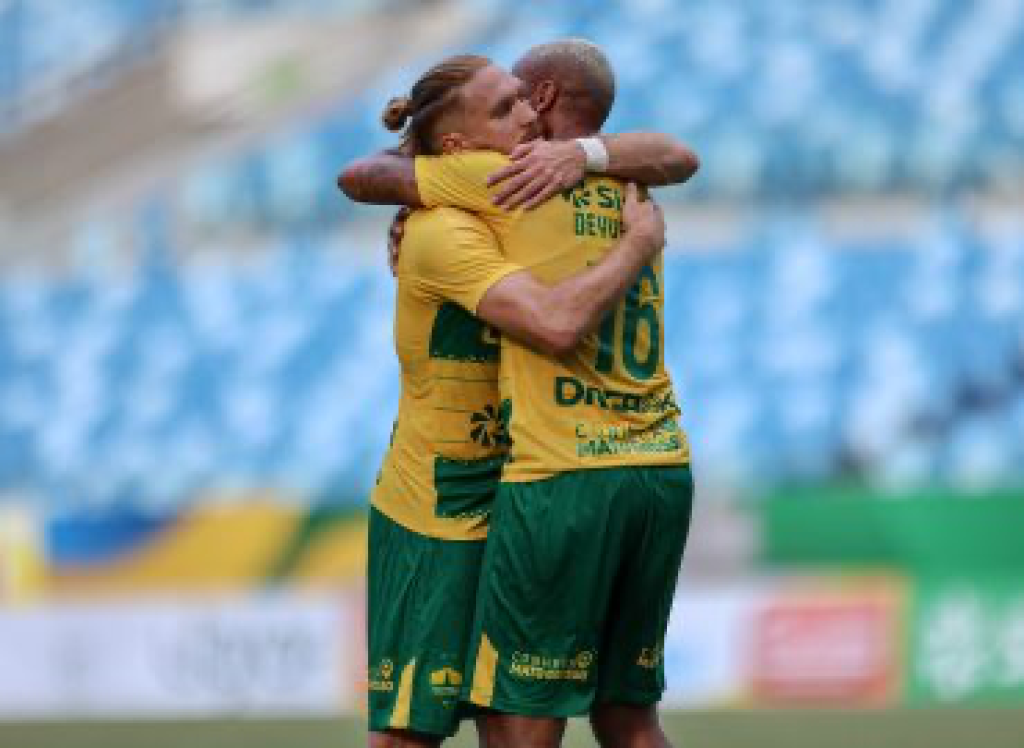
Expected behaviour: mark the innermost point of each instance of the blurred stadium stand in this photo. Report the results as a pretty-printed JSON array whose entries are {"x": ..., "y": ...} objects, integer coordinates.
[
  {"x": 831, "y": 113},
  {"x": 218, "y": 93},
  {"x": 50, "y": 53},
  {"x": 798, "y": 358},
  {"x": 844, "y": 96},
  {"x": 210, "y": 317}
]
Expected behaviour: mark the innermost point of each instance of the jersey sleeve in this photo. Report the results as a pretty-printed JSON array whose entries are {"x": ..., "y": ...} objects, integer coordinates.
[
  {"x": 459, "y": 180},
  {"x": 461, "y": 263}
]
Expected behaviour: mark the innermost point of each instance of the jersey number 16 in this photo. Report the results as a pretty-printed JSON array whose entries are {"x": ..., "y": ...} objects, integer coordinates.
[{"x": 633, "y": 313}]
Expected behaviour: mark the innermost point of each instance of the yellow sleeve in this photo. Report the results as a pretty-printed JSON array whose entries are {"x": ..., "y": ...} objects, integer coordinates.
[
  {"x": 460, "y": 260},
  {"x": 459, "y": 180}
]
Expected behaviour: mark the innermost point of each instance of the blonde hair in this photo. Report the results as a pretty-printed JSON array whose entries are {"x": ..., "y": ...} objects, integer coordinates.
[
  {"x": 432, "y": 96},
  {"x": 582, "y": 71}
]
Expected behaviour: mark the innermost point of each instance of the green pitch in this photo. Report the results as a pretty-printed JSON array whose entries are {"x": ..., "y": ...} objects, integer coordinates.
[{"x": 903, "y": 728}]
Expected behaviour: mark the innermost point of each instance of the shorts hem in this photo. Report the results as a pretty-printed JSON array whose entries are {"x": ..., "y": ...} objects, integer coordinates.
[
  {"x": 430, "y": 731},
  {"x": 635, "y": 698},
  {"x": 414, "y": 726},
  {"x": 520, "y": 710}
]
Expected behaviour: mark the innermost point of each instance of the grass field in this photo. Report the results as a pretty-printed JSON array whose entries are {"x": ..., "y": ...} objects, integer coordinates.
[{"x": 905, "y": 728}]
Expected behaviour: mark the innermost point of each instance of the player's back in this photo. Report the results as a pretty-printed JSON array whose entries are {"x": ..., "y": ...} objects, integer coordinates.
[
  {"x": 609, "y": 402},
  {"x": 448, "y": 442}
]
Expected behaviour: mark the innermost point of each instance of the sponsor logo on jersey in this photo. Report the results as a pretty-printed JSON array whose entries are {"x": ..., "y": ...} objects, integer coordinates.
[
  {"x": 570, "y": 392},
  {"x": 488, "y": 428},
  {"x": 594, "y": 441},
  {"x": 597, "y": 224}
]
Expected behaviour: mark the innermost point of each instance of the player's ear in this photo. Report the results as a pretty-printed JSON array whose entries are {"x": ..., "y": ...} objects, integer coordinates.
[
  {"x": 544, "y": 95},
  {"x": 453, "y": 142}
]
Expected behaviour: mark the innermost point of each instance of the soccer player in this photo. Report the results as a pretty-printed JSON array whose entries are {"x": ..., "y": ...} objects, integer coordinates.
[
  {"x": 430, "y": 505},
  {"x": 591, "y": 518}
]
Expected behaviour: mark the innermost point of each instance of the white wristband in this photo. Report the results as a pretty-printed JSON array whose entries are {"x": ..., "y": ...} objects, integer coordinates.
[{"x": 597, "y": 154}]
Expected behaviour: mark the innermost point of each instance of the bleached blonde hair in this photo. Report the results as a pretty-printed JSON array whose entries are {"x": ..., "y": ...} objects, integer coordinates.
[{"x": 581, "y": 69}]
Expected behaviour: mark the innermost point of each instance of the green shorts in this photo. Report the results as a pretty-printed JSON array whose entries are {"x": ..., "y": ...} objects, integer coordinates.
[
  {"x": 577, "y": 583},
  {"x": 420, "y": 595}
]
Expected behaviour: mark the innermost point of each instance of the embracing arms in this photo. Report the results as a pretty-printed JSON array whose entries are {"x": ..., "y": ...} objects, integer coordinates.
[
  {"x": 542, "y": 168},
  {"x": 553, "y": 319},
  {"x": 537, "y": 171},
  {"x": 385, "y": 178}
]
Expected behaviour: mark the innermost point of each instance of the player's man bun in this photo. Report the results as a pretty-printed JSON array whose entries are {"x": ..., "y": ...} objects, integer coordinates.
[
  {"x": 396, "y": 113},
  {"x": 434, "y": 94}
]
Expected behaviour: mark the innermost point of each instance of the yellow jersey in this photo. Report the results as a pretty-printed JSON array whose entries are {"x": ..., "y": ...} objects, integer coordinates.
[
  {"x": 444, "y": 462},
  {"x": 608, "y": 403}
]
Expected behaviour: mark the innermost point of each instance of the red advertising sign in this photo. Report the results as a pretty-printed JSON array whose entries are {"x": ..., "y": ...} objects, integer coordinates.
[{"x": 829, "y": 648}]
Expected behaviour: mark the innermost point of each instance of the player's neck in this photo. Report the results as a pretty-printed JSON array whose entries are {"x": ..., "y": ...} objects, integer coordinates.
[{"x": 567, "y": 128}]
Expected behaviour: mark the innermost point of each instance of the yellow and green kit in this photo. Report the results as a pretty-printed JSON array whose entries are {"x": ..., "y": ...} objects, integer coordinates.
[
  {"x": 597, "y": 454},
  {"x": 431, "y": 505}
]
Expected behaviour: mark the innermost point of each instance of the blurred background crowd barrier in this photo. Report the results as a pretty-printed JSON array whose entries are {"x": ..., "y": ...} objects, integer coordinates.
[{"x": 197, "y": 380}]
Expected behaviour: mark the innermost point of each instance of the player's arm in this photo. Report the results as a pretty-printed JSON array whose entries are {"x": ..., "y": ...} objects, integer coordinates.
[
  {"x": 385, "y": 178},
  {"x": 539, "y": 169},
  {"x": 650, "y": 158},
  {"x": 455, "y": 180},
  {"x": 553, "y": 319}
]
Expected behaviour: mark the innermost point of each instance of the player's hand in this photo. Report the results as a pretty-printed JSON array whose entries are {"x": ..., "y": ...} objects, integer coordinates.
[
  {"x": 395, "y": 234},
  {"x": 643, "y": 220},
  {"x": 538, "y": 170}
]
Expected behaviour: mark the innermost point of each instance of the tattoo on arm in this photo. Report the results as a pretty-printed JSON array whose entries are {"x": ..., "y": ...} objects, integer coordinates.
[{"x": 382, "y": 179}]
